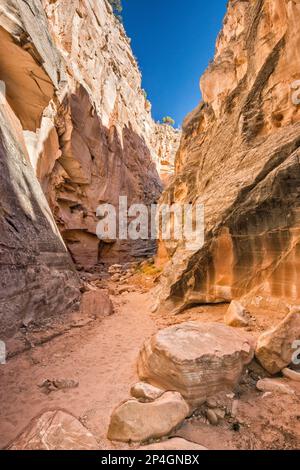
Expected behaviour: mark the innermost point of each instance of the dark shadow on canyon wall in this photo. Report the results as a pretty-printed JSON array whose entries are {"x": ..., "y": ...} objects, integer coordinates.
[
  {"x": 37, "y": 277},
  {"x": 96, "y": 166}
]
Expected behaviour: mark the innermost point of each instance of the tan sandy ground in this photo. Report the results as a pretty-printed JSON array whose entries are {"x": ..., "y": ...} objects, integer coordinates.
[{"x": 102, "y": 357}]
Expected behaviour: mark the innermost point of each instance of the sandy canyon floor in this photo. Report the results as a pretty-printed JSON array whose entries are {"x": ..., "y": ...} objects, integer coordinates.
[{"x": 101, "y": 357}]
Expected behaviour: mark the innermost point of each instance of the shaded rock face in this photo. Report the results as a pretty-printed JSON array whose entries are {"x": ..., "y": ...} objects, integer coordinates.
[
  {"x": 239, "y": 156},
  {"x": 96, "y": 167},
  {"x": 55, "y": 430},
  {"x": 76, "y": 89},
  {"x": 195, "y": 359},
  {"x": 38, "y": 279}
]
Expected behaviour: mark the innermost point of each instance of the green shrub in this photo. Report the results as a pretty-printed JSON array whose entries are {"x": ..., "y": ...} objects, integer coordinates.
[
  {"x": 117, "y": 8},
  {"x": 168, "y": 120}
]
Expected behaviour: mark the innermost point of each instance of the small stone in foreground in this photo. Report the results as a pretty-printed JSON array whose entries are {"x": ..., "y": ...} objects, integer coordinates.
[
  {"x": 274, "y": 386},
  {"x": 145, "y": 391}
]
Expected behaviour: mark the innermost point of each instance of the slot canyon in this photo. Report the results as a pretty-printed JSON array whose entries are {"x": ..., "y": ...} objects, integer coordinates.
[{"x": 115, "y": 343}]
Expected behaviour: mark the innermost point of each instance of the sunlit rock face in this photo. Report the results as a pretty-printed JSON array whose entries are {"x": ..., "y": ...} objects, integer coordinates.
[
  {"x": 165, "y": 141},
  {"x": 76, "y": 89},
  {"x": 239, "y": 155},
  {"x": 104, "y": 129}
]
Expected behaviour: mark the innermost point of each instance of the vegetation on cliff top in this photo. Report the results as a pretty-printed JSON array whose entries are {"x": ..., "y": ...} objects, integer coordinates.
[
  {"x": 117, "y": 8},
  {"x": 168, "y": 120}
]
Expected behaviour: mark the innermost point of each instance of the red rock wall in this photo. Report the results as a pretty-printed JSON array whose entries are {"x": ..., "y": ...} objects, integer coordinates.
[{"x": 239, "y": 155}]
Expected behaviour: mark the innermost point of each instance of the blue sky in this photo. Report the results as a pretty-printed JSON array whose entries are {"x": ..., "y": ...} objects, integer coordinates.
[{"x": 173, "y": 41}]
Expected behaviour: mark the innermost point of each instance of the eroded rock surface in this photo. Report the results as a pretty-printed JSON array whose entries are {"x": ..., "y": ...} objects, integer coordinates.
[
  {"x": 74, "y": 115},
  {"x": 74, "y": 84},
  {"x": 239, "y": 156},
  {"x": 165, "y": 141},
  {"x": 198, "y": 360},
  {"x": 37, "y": 277},
  {"x": 55, "y": 430},
  {"x": 276, "y": 347}
]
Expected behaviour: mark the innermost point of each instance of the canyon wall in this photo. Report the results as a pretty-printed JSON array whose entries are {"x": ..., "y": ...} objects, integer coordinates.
[
  {"x": 86, "y": 121},
  {"x": 37, "y": 277},
  {"x": 75, "y": 125},
  {"x": 239, "y": 156},
  {"x": 165, "y": 142}
]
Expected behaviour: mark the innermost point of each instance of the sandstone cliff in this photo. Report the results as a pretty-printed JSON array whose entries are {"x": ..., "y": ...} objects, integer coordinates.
[
  {"x": 239, "y": 155},
  {"x": 75, "y": 120},
  {"x": 165, "y": 142},
  {"x": 37, "y": 277}
]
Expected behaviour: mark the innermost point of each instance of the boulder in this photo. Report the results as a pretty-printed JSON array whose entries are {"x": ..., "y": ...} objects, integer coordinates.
[
  {"x": 176, "y": 443},
  {"x": 55, "y": 430},
  {"x": 144, "y": 391},
  {"x": 196, "y": 359},
  {"x": 274, "y": 386},
  {"x": 96, "y": 304},
  {"x": 275, "y": 348},
  {"x": 133, "y": 421},
  {"x": 236, "y": 315}
]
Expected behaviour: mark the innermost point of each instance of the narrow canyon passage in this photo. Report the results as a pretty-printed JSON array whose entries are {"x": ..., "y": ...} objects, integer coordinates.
[{"x": 115, "y": 338}]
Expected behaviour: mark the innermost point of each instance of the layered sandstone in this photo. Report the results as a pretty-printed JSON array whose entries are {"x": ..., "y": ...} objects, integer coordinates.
[
  {"x": 197, "y": 360},
  {"x": 76, "y": 89},
  {"x": 239, "y": 156},
  {"x": 37, "y": 277},
  {"x": 165, "y": 142},
  {"x": 74, "y": 115}
]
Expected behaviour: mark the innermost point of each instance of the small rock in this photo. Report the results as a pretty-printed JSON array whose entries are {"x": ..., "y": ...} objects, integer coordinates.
[
  {"x": 49, "y": 386},
  {"x": 291, "y": 374},
  {"x": 236, "y": 427},
  {"x": 212, "y": 417},
  {"x": 133, "y": 421},
  {"x": 236, "y": 315},
  {"x": 124, "y": 289},
  {"x": 267, "y": 394},
  {"x": 274, "y": 385},
  {"x": 96, "y": 304},
  {"x": 234, "y": 407},
  {"x": 144, "y": 391},
  {"x": 220, "y": 413},
  {"x": 175, "y": 443},
  {"x": 115, "y": 268},
  {"x": 211, "y": 403}
]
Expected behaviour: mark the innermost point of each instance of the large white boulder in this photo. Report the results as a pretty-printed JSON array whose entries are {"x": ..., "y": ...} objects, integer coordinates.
[{"x": 196, "y": 359}]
